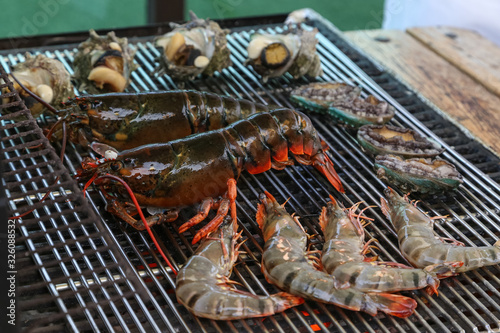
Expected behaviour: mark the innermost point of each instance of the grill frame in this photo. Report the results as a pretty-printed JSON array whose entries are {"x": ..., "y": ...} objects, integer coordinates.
[{"x": 353, "y": 166}]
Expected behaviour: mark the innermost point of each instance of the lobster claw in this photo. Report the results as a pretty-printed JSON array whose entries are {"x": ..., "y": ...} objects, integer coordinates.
[{"x": 104, "y": 150}]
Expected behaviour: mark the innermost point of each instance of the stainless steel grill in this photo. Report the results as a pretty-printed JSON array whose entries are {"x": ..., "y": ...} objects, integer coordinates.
[{"x": 87, "y": 271}]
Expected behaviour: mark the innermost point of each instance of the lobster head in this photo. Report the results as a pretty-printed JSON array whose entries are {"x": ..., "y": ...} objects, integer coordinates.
[{"x": 108, "y": 164}]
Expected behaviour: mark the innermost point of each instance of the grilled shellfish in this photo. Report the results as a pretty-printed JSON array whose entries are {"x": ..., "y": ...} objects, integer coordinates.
[
  {"x": 104, "y": 64},
  {"x": 417, "y": 174},
  {"x": 404, "y": 142},
  {"x": 44, "y": 76},
  {"x": 199, "y": 46},
  {"x": 293, "y": 52},
  {"x": 343, "y": 103}
]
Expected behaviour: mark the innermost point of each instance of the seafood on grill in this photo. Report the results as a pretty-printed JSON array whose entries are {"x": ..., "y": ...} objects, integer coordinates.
[
  {"x": 422, "y": 247},
  {"x": 197, "y": 168},
  {"x": 204, "y": 288},
  {"x": 417, "y": 174},
  {"x": 104, "y": 63},
  {"x": 343, "y": 103},
  {"x": 343, "y": 257},
  {"x": 46, "y": 77},
  {"x": 196, "y": 47},
  {"x": 404, "y": 142},
  {"x": 125, "y": 120},
  {"x": 293, "y": 51},
  {"x": 287, "y": 264}
]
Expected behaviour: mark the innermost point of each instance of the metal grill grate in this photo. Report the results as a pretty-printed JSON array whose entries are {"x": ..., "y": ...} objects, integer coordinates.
[{"x": 73, "y": 256}]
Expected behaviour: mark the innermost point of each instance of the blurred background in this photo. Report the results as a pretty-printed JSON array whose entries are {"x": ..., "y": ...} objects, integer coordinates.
[{"x": 38, "y": 17}]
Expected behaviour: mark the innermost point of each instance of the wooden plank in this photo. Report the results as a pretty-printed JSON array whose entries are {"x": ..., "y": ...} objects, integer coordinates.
[
  {"x": 461, "y": 98},
  {"x": 467, "y": 50}
]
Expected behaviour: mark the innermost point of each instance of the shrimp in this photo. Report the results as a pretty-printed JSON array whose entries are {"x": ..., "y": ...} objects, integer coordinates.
[
  {"x": 204, "y": 288},
  {"x": 422, "y": 247},
  {"x": 343, "y": 257},
  {"x": 287, "y": 264}
]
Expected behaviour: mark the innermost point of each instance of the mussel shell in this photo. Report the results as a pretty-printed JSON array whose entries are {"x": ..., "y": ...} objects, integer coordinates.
[
  {"x": 404, "y": 142},
  {"x": 417, "y": 174}
]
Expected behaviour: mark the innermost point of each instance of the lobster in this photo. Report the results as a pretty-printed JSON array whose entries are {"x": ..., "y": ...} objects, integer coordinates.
[
  {"x": 204, "y": 166},
  {"x": 125, "y": 121}
]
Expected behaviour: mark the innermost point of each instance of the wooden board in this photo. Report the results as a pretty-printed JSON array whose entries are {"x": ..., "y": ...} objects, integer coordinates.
[
  {"x": 460, "y": 97},
  {"x": 467, "y": 50}
]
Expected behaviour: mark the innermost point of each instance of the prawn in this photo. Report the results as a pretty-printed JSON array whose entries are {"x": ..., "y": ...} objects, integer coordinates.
[
  {"x": 204, "y": 288},
  {"x": 287, "y": 264},
  {"x": 343, "y": 257},
  {"x": 422, "y": 247}
]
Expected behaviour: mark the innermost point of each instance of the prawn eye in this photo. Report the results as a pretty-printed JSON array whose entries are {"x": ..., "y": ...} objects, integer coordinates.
[{"x": 115, "y": 166}]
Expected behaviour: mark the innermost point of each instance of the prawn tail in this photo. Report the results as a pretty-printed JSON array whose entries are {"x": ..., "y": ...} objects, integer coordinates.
[
  {"x": 267, "y": 201},
  {"x": 384, "y": 206},
  {"x": 445, "y": 269},
  {"x": 395, "y": 305},
  {"x": 283, "y": 301}
]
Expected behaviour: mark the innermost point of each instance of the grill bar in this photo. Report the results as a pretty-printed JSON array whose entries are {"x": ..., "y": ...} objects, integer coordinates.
[{"x": 80, "y": 268}]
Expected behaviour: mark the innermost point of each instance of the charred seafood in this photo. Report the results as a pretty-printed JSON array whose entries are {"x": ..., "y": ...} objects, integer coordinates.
[
  {"x": 417, "y": 174},
  {"x": 104, "y": 64},
  {"x": 293, "y": 52},
  {"x": 342, "y": 102},
  {"x": 199, "y": 46},
  {"x": 404, "y": 142},
  {"x": 44, "y": 76}
]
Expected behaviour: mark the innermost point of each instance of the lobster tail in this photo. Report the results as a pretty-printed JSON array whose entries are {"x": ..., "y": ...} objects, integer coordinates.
[{"x": 324, "y": 165}]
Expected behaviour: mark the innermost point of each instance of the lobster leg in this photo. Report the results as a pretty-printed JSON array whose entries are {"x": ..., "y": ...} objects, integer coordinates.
[
  {"x": 229, "y": 202},
  {"x": 203, "y": 211},
  {"x": 119, "y": 209}
]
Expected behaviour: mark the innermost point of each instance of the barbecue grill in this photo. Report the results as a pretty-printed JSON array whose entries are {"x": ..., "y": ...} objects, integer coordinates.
[{"x": 79, "y": 269}]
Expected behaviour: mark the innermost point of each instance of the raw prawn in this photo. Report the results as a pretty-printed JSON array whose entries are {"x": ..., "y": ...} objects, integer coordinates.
[
  {"x": 422, "y": 247},
  {"x": 287, "y": 264},
  {"x": 343, "y": 257},
  {"x": 204, "y": 288}
]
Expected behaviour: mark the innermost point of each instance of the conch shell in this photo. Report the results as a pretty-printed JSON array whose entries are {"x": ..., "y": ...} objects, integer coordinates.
[
  {"x": 44, "y": 76},
  {"x": 293, "y": 52},
  {"x": 104, "y": 64},
  {"x": 196, "y": 47}
]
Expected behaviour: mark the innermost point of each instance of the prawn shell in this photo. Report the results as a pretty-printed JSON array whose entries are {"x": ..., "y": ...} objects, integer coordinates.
[
  {"x": 412, "y": 175},
  {"x": 385, "y": 139}
]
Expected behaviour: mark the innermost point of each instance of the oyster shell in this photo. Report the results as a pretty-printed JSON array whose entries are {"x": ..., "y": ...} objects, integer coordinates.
[
  {"x": 404, "y": 142},
  {"x": 196, "y": 47},
  {"x": 44, "y": 76},
  {"x": 417, "y": 174},
  {"x": 104, "y": 64},
  {"x": 293, "y": 52},
  {"x": 343, "y": 103}
]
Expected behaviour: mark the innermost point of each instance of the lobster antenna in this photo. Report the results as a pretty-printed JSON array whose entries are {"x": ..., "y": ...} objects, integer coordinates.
[{"x": 35, "y": 96}]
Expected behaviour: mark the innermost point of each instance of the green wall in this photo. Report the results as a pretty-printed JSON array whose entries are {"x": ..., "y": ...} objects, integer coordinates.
[
  {"x": 346, "y": 15},
  {"x": 36, "y": 17}
]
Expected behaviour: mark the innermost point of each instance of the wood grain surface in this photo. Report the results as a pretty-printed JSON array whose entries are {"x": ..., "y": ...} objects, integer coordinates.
[
  {"x": 466, "y": 102},
  {"x": 467, "y": 50}
]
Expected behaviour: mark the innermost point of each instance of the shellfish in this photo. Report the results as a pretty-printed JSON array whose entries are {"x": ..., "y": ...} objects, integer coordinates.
[
  {"x": 44, "y": 76},
  {"x": 417, "y": 174},
  {"x": 404, "y": 142},
  {"x": 104, "y": 64},
  {"x": 193, "y": 48},
  {"x": 293, "y": 52},
  {"x": 343, "y": 103}
]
